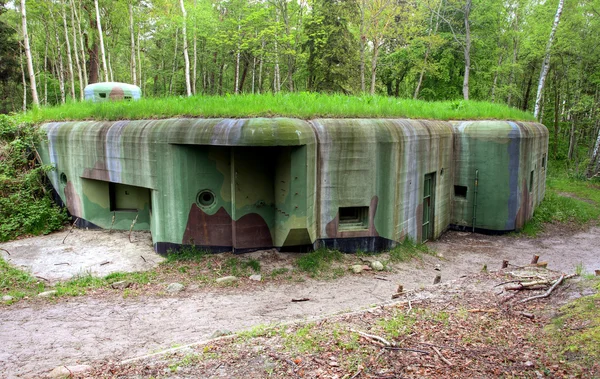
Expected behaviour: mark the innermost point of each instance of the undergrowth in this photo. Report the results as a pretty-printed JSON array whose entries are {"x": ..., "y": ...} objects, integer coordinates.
[
  {"x": 25, "y": 204},
  {"x": 301, "y": 105},
  {"x": 407, "y": 250},
  {"x": 318, "y": 261}
]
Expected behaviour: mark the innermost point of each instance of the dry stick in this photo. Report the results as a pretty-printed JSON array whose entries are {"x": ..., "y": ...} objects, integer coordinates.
[
  {"x": 132, "y": 225},
  {"x": 562, "y": 277},
  {"x": 112, "y": 223},
  {"x": 71, "y": 230},
  {"x": 105, "y": 263},
  {"x": 41, "y": 277},
  {"x": 300, "y": 300},
  {"x": 407, "y": 349},
  {"x": 7, "y": 252},
  {"x": 372, "y": 337},
  {"x": 441, "y": 356},
  {"x": 63, "y": 263},
  {"x": 141, "y": 256},
  {"x": 504, "y": 263}
]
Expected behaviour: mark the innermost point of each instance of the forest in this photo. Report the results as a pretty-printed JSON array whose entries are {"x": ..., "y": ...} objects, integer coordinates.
[{"x": 540, "y": 56}]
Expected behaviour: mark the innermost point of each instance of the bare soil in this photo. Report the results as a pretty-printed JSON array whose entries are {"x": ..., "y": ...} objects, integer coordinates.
[{"x": 40, "y": 335}]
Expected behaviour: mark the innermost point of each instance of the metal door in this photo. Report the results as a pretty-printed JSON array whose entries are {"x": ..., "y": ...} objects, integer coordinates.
[{"x": 428, "y": 194}]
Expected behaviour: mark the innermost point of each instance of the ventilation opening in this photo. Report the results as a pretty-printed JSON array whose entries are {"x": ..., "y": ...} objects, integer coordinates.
[
  {"x": 63, "y": 179},
  {"x": 531, "y": 181},
  {"x": 460, "y": 191},
  {"x": 102, "y": 95},
  {"x": 205, "y": 198},
  {"x": 354, "y": 218},
  {"x": 127, "y": 97}
]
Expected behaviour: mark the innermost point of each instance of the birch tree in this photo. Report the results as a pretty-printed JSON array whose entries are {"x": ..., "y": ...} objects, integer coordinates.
[
  {"x": 132, "y": 36},
  {"x": 69, "y": 56},
  {"x": 546, "y": 62},
  {"x": 186, "y": 57},
  {"x": 102, "y": 51},
  {"x": 30, "y": 71}
]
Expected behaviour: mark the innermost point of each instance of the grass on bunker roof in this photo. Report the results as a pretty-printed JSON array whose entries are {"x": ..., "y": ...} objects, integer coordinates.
[{"x": 298, "y": 105}]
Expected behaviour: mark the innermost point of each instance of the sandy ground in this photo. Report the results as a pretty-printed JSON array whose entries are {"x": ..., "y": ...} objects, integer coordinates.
[{"x": 39, "y": 336}]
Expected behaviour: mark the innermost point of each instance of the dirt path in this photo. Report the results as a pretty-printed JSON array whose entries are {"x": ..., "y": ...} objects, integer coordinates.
[{"x": 37, "y": 337}]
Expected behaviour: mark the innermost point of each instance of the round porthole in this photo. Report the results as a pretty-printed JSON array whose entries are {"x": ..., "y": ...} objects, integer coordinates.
[
  {"x": 63, "y": 178},
  {"x": 205, "y": 198}
]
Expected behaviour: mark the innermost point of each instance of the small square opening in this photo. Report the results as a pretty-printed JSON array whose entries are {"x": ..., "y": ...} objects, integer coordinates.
[
  {"x": 531, "y": 181},
  {"x": 102, "y": 95},
  {"x": 353, "y": 218},
  {"x": 128, "y": 198},
  {"x": 543, "y": 161},
  {"x": 460, "y": 191}
]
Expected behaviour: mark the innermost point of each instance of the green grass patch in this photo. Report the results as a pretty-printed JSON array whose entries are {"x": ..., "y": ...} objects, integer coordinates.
[
  {"x": 407, "y": 250},
  {"x": 186, "y": 254},
  {"x": 318, "y": 261},
  {"x": 300, "y": 105},
  {"x": 567, "y": 199},
  {"x": 576, "y": 331}
]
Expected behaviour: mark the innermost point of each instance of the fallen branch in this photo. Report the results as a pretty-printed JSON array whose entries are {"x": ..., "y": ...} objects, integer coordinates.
[
  {"x": 478, "y": 310},
  {"x": 7, "y": 252},
  {"x": 530, "y": 316},
  {"x": 141, "y": 256},
  {"x": 407, "y": 349},
  {"x": 441, "y": 356},
  {"x": 562, "y": 277},
  {"x": 105, "y": 263},
  {"x": 300, "y": 300},
  {"x": 71, "y": 230},
  {"x": 520, "y": 287},
  {"x": 132, "y": 225},
  {"x": 381, "y": 278},
  {"x": 41, "y": 277},
  {"x": 62, "y": 263},
  {"x": 372, "y": 337}
]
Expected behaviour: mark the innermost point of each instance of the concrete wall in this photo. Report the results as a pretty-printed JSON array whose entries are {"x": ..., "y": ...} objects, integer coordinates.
[{"x": 245, "y": 184}]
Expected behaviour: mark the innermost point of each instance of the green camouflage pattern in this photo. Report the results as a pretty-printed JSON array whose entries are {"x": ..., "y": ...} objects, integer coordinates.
[
  {"x": 108, "y": 91},
  {"x": 247, "y": 184}
]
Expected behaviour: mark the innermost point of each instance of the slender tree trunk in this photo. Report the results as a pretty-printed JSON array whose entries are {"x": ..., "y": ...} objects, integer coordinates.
[
  {"x": 376, "y": 46},
  {"x": 133, "y": 58},
  {"x": 46, "y": 73},
  {"x": 495, "y": 83},
  {"x": 23, "y": 81},
  {"x": 30, "y": 71},
  {"x": 572, "y": 138},
  {"x": 260, "y": 67},
  {"x": 110, "y": 70},
  {"x": 363, "y": 37},
  {"x": 528, "y": 90},
  {"x": 594, "y": 165},
  {"x": 467, "y": 50},
  {"x": 59, "y": 58},
  {"x": 276, "y": 77},
  {"x": 174, "y": 61},
  {"x": 195, "y": 66},
  {"x": 69, "y": 56},
  {"x": 253, "y": 71},
  {"x": 236, "y": 89},
  {"x": 76, "y": 51},
  {"x": 556, "y": 115},
  {"x": 546, "y": 62},
  {"x": 102, "y": 51},
  {"x": 186, "y": 57},
  {"x": 83, "y": 60},
  {"x": 139, "y": 65}
]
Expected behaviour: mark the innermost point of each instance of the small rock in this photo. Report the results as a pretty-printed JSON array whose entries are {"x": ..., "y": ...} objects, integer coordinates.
[
  {"x": 47, "y": 293},
  {"x": 256, "y": 278},
  {"x": 366, "y": 268},
  {"x": 175, "y": 287},
  {"x": 227, "y": 279},
  {"x": 220, "y": 333},
  {"x": 357, "y": 269},
  {"x": 7, "y": 298},
  {"x": 68, "y": 371},
  {"x": 529, "y": 364},
  {"x": 121, "y": 285},
  {"x": 333, "y": 364},
  {"x": 377, "y": 266}
]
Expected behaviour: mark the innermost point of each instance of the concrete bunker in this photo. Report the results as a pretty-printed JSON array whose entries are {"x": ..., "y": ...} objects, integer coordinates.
[{"x": 247, "y": 184}]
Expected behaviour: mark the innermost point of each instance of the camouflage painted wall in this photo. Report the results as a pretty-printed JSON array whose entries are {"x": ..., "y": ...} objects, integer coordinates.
[{"x": 245, "y": 184}]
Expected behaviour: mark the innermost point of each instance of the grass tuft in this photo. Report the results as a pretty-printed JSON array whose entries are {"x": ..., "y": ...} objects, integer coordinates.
[
  {"x": 408, "y": 250},
  {"x": 299, "y": 105},
  {"x": 318, "y": 260}
]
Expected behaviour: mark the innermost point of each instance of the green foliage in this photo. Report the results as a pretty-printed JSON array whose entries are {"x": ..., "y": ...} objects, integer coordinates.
[
  {"x": 318, "y": 261},
  {"x": 186, "y": 254},
  {"x": 301, "y": 105},
  {"x": 25, "y": 204}
]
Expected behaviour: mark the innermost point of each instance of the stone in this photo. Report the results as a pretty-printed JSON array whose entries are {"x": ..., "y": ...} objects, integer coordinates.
[
  {"x": 529, "y": 364},
  {"x": 227, "y": 279},
  {"x": 357, "y": 269},
  {"x": 68, "y": 371},
  {"x": 221, "y": 333},
  {"x": 47, "y": 293},
  {"x": 175, "y": 287},
  {"x": 121, "y": 285},
  {"x": 377, "y": 266},
  {"x": 7, "y": 298},
  {"x": 256, "y": 277}
]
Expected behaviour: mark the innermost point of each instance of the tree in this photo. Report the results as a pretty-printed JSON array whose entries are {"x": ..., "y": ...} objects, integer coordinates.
[
  {"x": 546, "y": 63},
  {"x": 30, "y": 71},
  {"x": 185, "y": 50},
  {"x": 102, "y": 52}
]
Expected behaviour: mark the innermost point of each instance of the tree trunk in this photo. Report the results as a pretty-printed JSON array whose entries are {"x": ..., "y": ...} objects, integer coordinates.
[
  {"x": 593, "y": 168},
  {"x": 102, "y": 51},
  {"x": 376, "y": 47},
  {"x": 195, "y": 66},
  {"x": 528, "y": 90},
  {"x": 59, "y": 58},
  {"x": 76, "y": 51},
  {"x": 422, "y": 74},
  {"x": 83, "y": 60},
  {"x": 139, "y": 65},
  {"x": 174, "y": 61},
  {"x": 362, "y": 39},
  {"x": 276, "y": 77},
  {"x": 546, "y": 62},
  {"x": 556, "y": 115},
  {"x": 30, "y": 71},
  {"x": 572, "y": 138},
  {"x": 132, "y": 35},
  {"x": 467, "y": 51},
  {"x": 186, "y": 57},
  {"x": 23, "y": 81},
  {"x": 495, "y": 83},
  {"x": 69, "y": 56},
  {"x": 110, "y": 70},
  {"x": 46, "y": 73},
  {"x": 236, "y": 89}
]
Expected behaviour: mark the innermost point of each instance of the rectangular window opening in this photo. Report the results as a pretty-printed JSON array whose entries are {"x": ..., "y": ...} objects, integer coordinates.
[
  {"x": 353, "y": 218},
  {"x": 102, "y": 95},
  {"x": 128, "y": 198},
  {"x": 544, "y": 162},
  {"x": 460, "y": 191}
]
